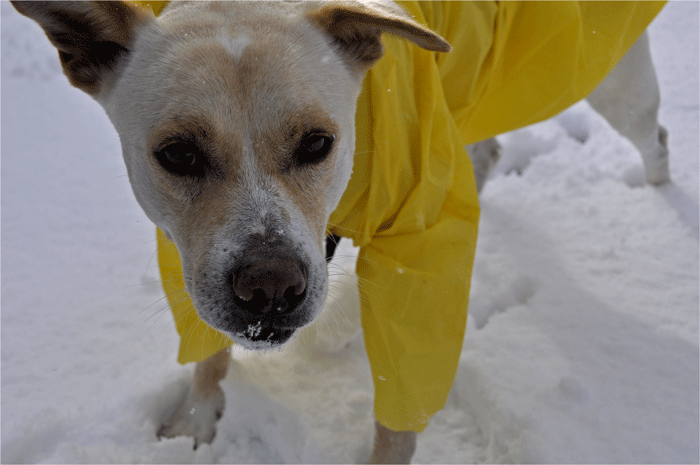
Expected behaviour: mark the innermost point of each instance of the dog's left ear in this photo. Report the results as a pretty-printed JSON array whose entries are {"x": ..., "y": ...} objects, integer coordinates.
[
  {"x": 92, "y": 38},
  {"x": 358, "y": 26}
]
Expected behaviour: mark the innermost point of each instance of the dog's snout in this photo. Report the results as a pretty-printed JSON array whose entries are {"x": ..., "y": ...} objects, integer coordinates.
[{"x": 270, "y": 284}]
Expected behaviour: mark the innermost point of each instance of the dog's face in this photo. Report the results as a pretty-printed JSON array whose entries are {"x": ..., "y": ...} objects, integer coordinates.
[
  {"x": 237, "y": 128},
  {"x": 238, "y": 138}
]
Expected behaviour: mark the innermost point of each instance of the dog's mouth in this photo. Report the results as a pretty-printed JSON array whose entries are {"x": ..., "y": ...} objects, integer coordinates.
[{"x": 261, "y": 336}]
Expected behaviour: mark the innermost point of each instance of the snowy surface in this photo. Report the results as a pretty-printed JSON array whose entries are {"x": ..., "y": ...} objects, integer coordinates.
[{"x": 582, "y": 344}]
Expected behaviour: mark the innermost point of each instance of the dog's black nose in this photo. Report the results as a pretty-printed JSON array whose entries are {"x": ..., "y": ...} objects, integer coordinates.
[{"x": 269, "y": 284}]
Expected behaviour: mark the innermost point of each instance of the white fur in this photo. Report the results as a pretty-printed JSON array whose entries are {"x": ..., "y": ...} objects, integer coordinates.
[{"x": 235, "y": 45}]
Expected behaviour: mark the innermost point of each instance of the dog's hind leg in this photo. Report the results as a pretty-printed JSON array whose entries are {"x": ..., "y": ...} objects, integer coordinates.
[
  {"x": 203, "y": 403},
  {"x": 392, "y": 446},
  {"x": 629, "y": 99},
  {"x": 484, "y": 156}
]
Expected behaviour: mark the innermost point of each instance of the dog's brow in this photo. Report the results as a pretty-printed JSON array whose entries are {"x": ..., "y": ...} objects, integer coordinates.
[
  {"x": 311, "y": 121},
  {"x": 181, "y": 129}
]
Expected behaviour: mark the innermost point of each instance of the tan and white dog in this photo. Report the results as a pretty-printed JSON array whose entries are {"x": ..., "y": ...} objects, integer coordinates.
[{"x": 239, "y": 146}]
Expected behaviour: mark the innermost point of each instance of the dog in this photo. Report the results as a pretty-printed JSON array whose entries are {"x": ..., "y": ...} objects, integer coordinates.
[{"x": 238, "y": 127}]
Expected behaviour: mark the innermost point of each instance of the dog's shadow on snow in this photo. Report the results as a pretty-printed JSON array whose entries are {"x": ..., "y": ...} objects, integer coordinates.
[{"x": 606, "y": 353}]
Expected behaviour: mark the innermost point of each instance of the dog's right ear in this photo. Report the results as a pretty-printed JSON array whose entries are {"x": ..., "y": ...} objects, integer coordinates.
[
  {"x": 357, "y": 27},
  {"x": 92, "y": 38}
]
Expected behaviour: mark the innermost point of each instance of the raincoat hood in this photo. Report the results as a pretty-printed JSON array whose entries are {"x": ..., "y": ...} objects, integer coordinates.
[{"x": 411, "y": 204}]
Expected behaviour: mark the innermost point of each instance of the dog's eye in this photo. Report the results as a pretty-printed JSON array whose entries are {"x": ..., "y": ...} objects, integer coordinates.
[
  {"x": 183, "y": 159},
  {"x": 313, "y": 148}
]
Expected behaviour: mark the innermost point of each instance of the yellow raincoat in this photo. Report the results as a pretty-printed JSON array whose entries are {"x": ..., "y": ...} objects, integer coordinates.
[{"x": 411, "y": 205}]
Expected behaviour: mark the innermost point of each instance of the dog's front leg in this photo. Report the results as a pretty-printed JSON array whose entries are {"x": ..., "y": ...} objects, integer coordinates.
[
  {"x": 392, "y": 446},
  {"x": 203, "y": 403}
]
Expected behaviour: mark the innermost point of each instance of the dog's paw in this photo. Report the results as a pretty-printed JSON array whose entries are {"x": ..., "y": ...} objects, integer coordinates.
[
  {"x": 656, "y": 160},
  {"x": 196, "y": 416}
]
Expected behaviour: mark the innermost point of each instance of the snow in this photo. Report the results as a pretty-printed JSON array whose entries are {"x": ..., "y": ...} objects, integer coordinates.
[{"x": 582, "y": 340}]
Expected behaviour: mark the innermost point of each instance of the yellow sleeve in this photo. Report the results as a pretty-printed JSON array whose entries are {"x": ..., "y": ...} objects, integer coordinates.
[
  {"x": 415, "y": 292},
  {"x": 414, "y": 213}
]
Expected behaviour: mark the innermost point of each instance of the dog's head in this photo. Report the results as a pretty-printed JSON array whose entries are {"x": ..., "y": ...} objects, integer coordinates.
[{"x": 237, "y": 128}]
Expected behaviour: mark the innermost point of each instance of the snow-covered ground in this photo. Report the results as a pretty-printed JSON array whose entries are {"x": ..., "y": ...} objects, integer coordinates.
[{"x": 582, "y": 344}]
